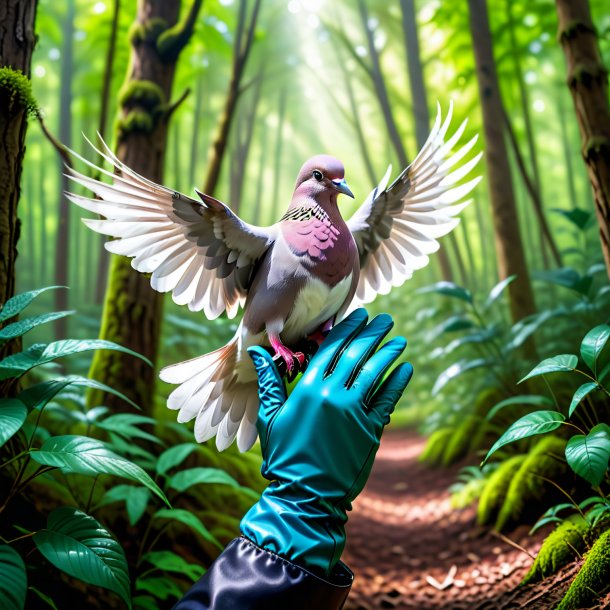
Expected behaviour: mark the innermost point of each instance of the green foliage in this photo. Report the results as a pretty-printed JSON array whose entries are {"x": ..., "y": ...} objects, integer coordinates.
[
  {"x": 563, "y": 545},
  {"x": 588, "y": 454},
  {"x": 469, "y": 486},
  {"x": 13, "y": 584},
  {"x": 77, "y": 544},
  {"x": 435, "y": 447},
  {"x": 495, "y": 490},
  {"x": 592, "y": 578},
  {"x": 528, "y": 489},
  {"x": 16, "y": 92},
  {"x": 100, "y": 532}
]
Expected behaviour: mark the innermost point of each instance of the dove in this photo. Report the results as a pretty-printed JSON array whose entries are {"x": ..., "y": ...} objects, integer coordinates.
[{"x": 293, "y": 279}]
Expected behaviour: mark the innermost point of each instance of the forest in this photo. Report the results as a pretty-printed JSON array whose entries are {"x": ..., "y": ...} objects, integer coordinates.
[{"x": 491, "y": 488}]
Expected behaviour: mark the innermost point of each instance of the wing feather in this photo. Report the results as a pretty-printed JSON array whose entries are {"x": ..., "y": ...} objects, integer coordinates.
[
  {"x": 397, "y": 227},
  {"x": 201, "y": 251}
]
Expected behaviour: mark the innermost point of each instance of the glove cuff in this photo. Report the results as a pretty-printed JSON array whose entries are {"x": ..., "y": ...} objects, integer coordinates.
[{"x": 299, "y": 527}]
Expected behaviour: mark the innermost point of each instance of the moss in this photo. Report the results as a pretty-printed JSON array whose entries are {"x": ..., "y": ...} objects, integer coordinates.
[
  {"x": 592, "y": 579},
  {"x": 136, "y": 121},
  {"x": 468, "y": 493},
  {"x": 596, "y": 146},
  {"x": 495, "y": 490},
  {"x": 562, "y": 546},
  {"x": 435, "y": 447},
  {"x": 143, "y": 93},
  {"x": 16, "y": 92},
  {"x": 148, "y": 32},
  {"x": 527, "y": 489},
  {"x": 574, "y": 28}
]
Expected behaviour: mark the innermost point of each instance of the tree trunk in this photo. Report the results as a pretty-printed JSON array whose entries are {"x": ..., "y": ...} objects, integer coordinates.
[
  {"x": 242, "y": 46},
  {"x": 380, "y": 89},
  {"x": 17, "y": 40},
  {"x": 62, "y": 244},
  {"x": 509, "y": 247},
  {"x": 132, "y": 309},
  {"x": 588, "y": 83},
  {"x": 420, "y": 103},
  {"x": 277, "y": 165}
]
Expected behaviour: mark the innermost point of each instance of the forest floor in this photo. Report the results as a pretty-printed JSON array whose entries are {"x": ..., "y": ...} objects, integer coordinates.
[{"x": 408, "y": 547}]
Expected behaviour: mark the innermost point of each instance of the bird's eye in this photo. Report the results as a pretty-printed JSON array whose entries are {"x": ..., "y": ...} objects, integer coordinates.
[{"x": 317, "y": 175}]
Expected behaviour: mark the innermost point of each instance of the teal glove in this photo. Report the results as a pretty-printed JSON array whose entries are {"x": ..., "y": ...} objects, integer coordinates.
[{"x": 318, "y": 445}]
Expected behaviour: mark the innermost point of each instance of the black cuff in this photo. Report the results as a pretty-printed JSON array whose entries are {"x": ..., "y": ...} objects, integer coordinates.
[{"x": 247, "y": 577}]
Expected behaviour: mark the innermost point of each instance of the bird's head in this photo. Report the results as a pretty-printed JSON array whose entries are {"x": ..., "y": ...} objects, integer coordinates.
[{"x": 322, "y": 177}]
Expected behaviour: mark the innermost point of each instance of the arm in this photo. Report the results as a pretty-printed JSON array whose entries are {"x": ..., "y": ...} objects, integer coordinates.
[{"x": 318, "y": 448}]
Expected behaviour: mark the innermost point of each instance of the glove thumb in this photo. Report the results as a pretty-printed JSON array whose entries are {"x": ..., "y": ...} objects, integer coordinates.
[{"x": 271, "y": 390}]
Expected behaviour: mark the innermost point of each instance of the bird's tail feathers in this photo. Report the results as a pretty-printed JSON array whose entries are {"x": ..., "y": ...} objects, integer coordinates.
[{"x": 210, "y": 391}]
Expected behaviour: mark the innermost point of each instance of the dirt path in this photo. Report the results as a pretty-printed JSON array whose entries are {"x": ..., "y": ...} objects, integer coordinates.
[{"x": 403, "y": 530}]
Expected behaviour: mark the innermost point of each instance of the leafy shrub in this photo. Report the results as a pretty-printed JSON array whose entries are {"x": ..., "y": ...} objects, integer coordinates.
[
  {"x": 435, "y": 447},
  {"x": 91, "y": 490}
]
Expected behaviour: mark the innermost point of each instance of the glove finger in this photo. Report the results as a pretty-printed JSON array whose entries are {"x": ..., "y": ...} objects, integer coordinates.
[
  {"x": 333, "y": 346},
  {"x": 384, "y": 399},
  {"x": 271, "y": 390},
  {"x": 362, "y": 346},
  {"x": 372, "y": 372}
]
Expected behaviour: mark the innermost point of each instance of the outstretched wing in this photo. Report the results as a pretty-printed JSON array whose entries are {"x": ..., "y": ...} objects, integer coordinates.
[
  {"x": 200, "y": 251},
  {"x": 397, "y": 227}
]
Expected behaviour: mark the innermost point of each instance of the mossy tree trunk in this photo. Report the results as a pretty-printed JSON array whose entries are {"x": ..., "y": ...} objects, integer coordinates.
[
  {"x": 132, "y": 310},
  {"x": 588, "y": 84},
  {"x": 509, "y": 246},
  {"x": 17, "y": 40}
]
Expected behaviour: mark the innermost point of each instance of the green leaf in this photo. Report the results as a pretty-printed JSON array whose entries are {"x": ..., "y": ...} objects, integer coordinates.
[
  {"x": 136, "y": 500},
  {"x": 80, "y": 546},
  {"x": 605, "y": 371},
  {"x": 452, "y": 324},
  {"x": 19, "y": 302},
  {"x": 568, "y": 278},
  {"x": 184, "y": 479},
  {"x": 12, "y": 415},
  {"x": 578, "y": 217},
  {"x": 37, "y": 396},
  {"x": 13, "y": 580},
  {"x": 582, "y": 391},
  {"x": 18, "y": 364},
  {"x": 563, "y": 362},
  {"x": 475, "y": 337},
  {"x": 588, "y": 455},
  {"x": 17, "y": 329},
  {"x": 160, "y": 587},
  {"x": 89, "y": 456},
  {"x": 457, "y": 369},
  {"x": 174, "y": 456},
  {"x": 448, "y": 289},
  {"x": 524, "y": 399},
  {"x": 528, "y": 425},
  {"x": 189, "y": 519},
  {"x": 170, "y": 562},
  {"x": 592, "y": 345},
  {"x": 498, "y": 289},
  {"x": 125, "y": 424},
  {"x": 45, "y": 598},
  {"x": 522, "y": 330}
]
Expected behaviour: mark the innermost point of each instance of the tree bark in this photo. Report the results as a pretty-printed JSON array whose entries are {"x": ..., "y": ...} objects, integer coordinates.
[
  {"x": 132, "y": 309},
  {"x": 588, "y": 84},
  {"x": 242, "y": 47},
  {"x": 17, "y": 40},
  {"x": 509, "y": 246}
]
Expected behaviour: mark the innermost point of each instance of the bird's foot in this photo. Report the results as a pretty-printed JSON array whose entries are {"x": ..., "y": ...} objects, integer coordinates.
[{"x": 294, "y": 361}]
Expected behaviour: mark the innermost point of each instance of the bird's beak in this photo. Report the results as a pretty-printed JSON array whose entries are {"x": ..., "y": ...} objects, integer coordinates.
[{"x": 342, "y": 187}]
